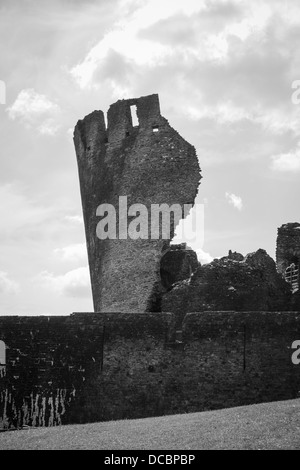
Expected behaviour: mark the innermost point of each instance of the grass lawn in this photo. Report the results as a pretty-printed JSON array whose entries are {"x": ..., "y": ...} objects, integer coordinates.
[{"x": 264, "y": 426}]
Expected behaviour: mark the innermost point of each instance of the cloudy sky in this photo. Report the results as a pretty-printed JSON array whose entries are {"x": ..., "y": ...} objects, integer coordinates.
[{"x": 224, "y": 72}]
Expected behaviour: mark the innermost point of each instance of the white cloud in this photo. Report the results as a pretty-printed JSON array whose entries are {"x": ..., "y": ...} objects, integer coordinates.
[
  {"x": 29, "y": 102},
  {"x": 146, "y": 37},
  {"x": 225, "y": 112},
  {"x": 203, "y": 256},
  {"x": 76, "y": 252},
  {"x": 276, "y": 121},
  {"x": 74, "y": 283},
  {"x": 124, "y": 39},
  {"x": 279, "y": 121},
  {"x": 7, "y": 285},
  {"x": 142, "y": 52},
  {"x": 31, "y": 107},
  {"x": 236, "y": 201},
  {"x": 48, "y": 127},
  {"x": 287, "y": 161}
]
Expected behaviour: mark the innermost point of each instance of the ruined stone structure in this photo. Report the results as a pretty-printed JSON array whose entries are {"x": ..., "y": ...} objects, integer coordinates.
[
  {"x": 177, "y": 264},
  {"x": 150, "y": 164},
  {"x": 231, "y": 283},
  {"x": 288, "y": 253},
  {"x": 173, "y": 336}
]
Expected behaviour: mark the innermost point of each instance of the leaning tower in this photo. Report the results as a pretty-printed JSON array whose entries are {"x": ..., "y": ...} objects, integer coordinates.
[{"x": 147, "y": 163}]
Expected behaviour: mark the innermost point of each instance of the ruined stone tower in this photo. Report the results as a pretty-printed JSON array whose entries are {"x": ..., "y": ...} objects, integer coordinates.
[
  {"x": 149, "y": 163},
  {"x": 288, "y": 253}
]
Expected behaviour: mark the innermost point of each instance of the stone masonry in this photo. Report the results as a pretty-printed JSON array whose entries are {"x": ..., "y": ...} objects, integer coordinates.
[
  {"x": 288, "y": 258},
  {"x": 288, "y": 246},
  {"x": 150, "y": 164},
  {"x": 89, "y": 367},
  {"x": 231, "y": 283}
]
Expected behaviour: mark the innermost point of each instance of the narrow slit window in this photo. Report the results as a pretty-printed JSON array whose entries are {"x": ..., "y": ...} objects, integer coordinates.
[{"x": 134, "y": 117}]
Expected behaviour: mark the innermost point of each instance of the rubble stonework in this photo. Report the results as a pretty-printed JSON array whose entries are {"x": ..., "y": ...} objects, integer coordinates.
[
  {"x": 288, "y": 256},
  {"x": 287, "y": 246},
  {"x": 231, "y": 283},
  {"x": 179, "y": 263},
  {"x": 150, "y": 164}
]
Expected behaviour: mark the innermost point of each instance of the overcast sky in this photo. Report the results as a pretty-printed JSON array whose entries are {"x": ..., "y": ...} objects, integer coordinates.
[{"x": 224, "y": 72}]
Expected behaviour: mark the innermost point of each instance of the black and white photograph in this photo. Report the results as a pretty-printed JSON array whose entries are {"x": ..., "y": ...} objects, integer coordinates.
[{"x": 149, "y": 227}]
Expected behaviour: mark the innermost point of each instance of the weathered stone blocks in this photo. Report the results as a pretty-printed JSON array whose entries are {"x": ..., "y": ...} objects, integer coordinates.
[
  {"x": 231, "y": 283},
  {"x": 150, "y": 164}
]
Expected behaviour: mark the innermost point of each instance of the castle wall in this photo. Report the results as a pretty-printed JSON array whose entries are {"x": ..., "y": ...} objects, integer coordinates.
[{"x": 91, "y": 367}]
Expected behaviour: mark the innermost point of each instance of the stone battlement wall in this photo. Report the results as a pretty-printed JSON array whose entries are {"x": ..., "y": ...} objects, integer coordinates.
[{"x": 91, "y": 367}]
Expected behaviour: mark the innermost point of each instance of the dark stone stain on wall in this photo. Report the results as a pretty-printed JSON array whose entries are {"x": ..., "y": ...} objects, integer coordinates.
[
  {"x": 48, "y": 360},
  {"x": 177, "y": 264}
]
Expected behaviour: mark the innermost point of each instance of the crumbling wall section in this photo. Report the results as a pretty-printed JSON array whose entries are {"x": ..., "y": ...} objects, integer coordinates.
[
  {"x": 287, "y": 246},
  {"x": 288, "y": 258},
  {"x": 231, "y": 283},
  {"x": 177, "y": 264}
]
